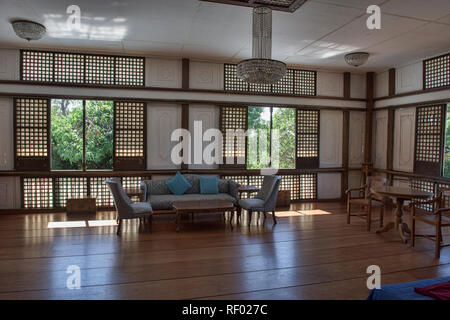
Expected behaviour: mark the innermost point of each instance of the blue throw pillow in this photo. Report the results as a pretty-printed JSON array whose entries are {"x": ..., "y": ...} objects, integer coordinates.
[
  {"x": 178, "y": 184},
  {"x": 209, "y": 185}
]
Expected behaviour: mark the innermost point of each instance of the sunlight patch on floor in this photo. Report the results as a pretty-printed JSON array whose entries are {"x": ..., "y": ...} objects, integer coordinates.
[
  {"x": 81, "y": 224},
  {"x": 301, "y": 213},
  {"x": 66, "y": 224}
]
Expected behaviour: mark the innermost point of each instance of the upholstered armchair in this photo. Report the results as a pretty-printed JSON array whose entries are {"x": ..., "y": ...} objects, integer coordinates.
[
  {"x": 265, "y": 200},
  {"x": 126, "y": 208}
]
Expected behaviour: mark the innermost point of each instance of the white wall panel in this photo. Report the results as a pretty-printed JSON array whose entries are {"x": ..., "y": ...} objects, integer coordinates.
[
  {"x": 409, "y": 78},
  {"x": 329, "y": 185},
  {"x": 380, "y": 131},
  {"x": 382, "y": 84},
  {"x": 331, "y": 127},
  {"x": 206, "y": 75},
  {"x": 209, "y": 116},
  {"x": 9, "y": 192},
  {"x": 162, "y": 120},
  {"x": 163, "y": 73},
  {"x": 358, "y": 86},
  {"x": 9, "y": 64},
  {"x": 330, "y": 84},
  {"x": 404, "y": 139},
  {"x": 356, "y": 138},
  {"x": 6, "y": 134}
]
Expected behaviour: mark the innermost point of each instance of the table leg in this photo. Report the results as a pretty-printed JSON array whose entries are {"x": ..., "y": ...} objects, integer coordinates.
[
  {"x": 398, "y": 223},
  {"x": 177, "y": 220}
]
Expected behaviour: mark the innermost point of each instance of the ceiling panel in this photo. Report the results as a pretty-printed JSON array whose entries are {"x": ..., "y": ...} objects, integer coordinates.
[
  {"x": 422, "y": 9},
  {"x": 316, "y": 35}
]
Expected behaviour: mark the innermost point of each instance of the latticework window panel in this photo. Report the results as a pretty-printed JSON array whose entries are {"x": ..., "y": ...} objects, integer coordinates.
[
  {"x": 429, "y": 128},
  {"x": 129, "y": 71},
  {"x": 69, "y": 187},
  {"x": 37, "y": 66},
  {"x": 445, "y": 199},
  {"x": 292, "y": 184},
  {"x": 256, "y": 181},
  {"x": 308, "y": 186},
  {"x": 99, "y": 69},
  {"x": 286, "y": 84},
  {"x": 233, "y": 118},
  {"x": 101, "y": 192},
  {"x": 300, "y": 82},
  {"x": 69, "y": 67},
  {"x": 305, "y": 82},
  {"x": 264, "y": 88},
  {"x": 424, "y": 186},
  {"x": 307, "y": 138},
  {"x": 31, "y": 127},
  {"x": 31, "y": 134},
  {"x": 437, "y": 72},
  {"x": 232, "y": 81},
  {"x": 78, "y": 68},
  {"x": 129, "y": 134},
  {"x": 37, "y": 193}
]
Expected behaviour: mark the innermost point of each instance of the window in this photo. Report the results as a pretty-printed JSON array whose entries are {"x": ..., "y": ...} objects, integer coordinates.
[
  {"x": 81, "y": 68},
  {"x": 81, "y": 134},
  {"x": 271, "y": 137},
  {"x": 129, "y": 135},
  {"x": 233, "y": 119},
  {"x": 429, "y": 130},
  {"x": 299, "y": 82},
  {"x": 437, "y": 72},
  {"x": 446, "y": 169},
  {"x": 307, "y": 138},
  {"x": 31, "y": 134}
]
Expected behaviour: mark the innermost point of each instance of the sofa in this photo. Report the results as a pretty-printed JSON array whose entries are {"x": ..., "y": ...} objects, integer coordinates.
[{"x": 159, "y": 196}]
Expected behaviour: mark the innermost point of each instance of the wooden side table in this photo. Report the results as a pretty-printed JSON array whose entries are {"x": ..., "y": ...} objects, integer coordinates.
[
  {"x": 81, "y": 205},
  {"x": 134, "y": 192}
]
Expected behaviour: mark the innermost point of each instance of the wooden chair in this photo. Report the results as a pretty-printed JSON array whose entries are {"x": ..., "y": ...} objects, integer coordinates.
[
  {"x": 366, "y": 200},
  {"x": 439, "y": 217}
]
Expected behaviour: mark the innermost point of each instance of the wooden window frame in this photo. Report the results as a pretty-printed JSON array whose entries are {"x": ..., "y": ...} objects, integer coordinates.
[
  {"x": 123, "y": 163},
  {"x": 235, "y": 165},
  {"x": 118, "y": 76},
  {"x": 279, "y": 88},
  {"x": 31, "y": 163},
  {"x": 429, "y": 72},
  {"x": 430, "y": 168},
  {"x": 307, "y": 162}
]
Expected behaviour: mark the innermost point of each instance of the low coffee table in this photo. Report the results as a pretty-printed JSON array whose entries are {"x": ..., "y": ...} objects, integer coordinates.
[{"x": 197, "y": 206}]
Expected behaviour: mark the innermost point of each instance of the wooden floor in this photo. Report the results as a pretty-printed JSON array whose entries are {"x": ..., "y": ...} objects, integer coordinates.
[{"x": 308, "y": 255}]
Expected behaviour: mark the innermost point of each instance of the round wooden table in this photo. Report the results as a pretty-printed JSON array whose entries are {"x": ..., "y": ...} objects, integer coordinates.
[{"x": 399, "y": 195}]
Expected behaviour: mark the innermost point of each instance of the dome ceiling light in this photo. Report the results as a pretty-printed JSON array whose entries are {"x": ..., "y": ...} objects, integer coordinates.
[
  {"x": 28, "y": 30},
  {"x": 261, "y": 69},
  {"x": 356, "y": 59}
]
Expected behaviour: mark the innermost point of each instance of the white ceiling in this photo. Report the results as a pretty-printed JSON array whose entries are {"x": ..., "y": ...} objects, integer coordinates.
[{"x": 317, "y": 35}]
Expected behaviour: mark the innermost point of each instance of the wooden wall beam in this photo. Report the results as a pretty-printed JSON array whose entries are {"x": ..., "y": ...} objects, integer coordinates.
[
  {"x": 185, "y": 73},
  {"x": 392, "y": 82},
  {"x": 345, "y": 145},
  {"x": 347, "y": 85},
  {"x": 367, "y": 166},
  {"x": 390, "y": 143},
  {"x": 184, "y": 125}
]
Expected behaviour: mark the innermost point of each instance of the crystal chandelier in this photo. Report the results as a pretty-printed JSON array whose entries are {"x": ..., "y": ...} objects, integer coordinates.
[
  {"x": 261, "y": 69},
  {"x": 28, "y": 30}
]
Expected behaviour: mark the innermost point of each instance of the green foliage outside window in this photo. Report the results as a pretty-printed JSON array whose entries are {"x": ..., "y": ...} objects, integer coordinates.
[
  {"x": 283, "y": 120},
  {"x": 67, "y": 134}
]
